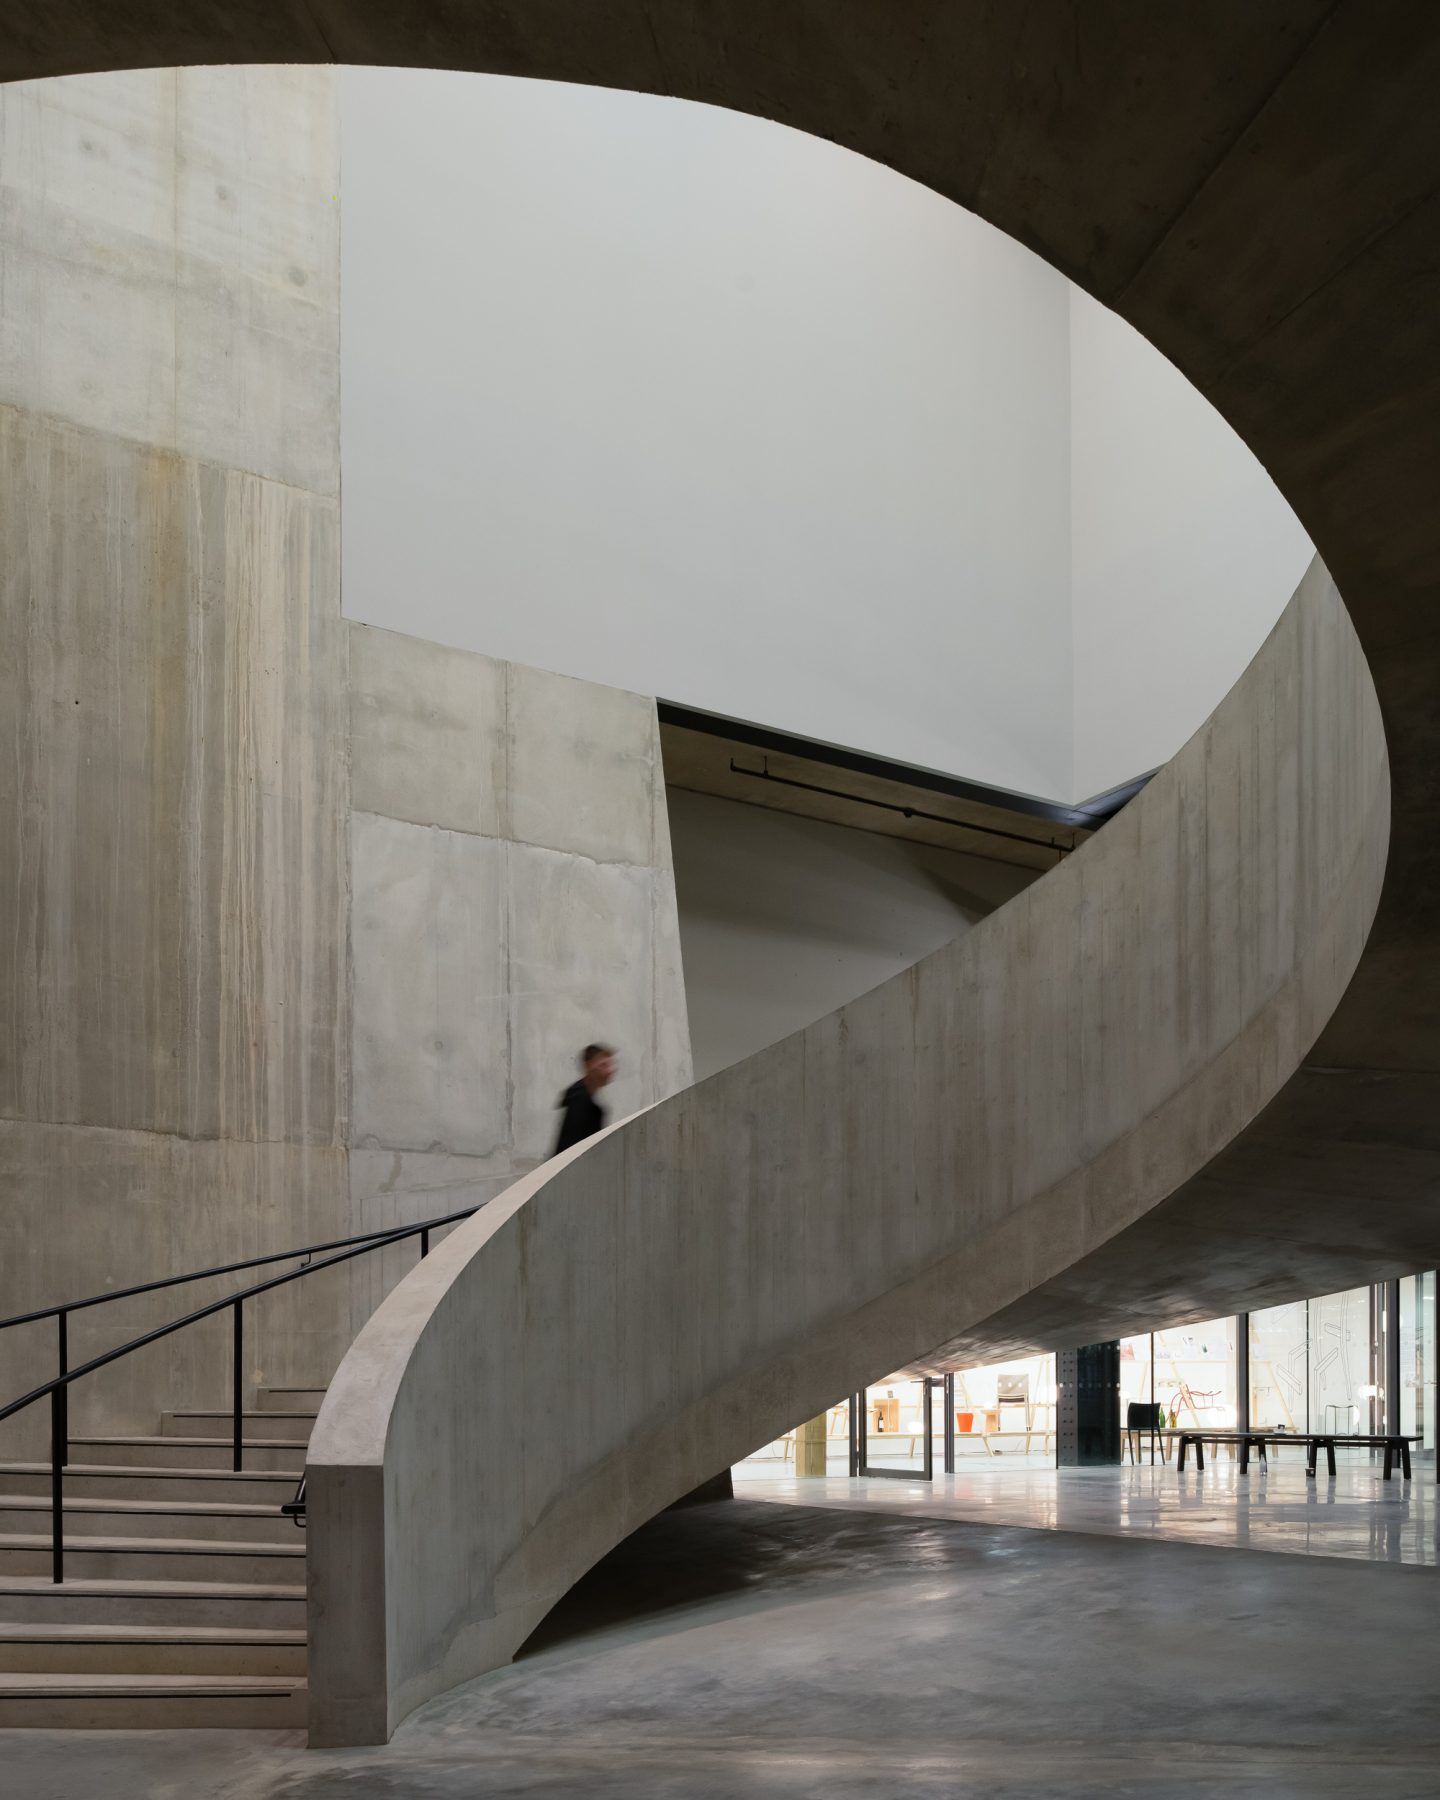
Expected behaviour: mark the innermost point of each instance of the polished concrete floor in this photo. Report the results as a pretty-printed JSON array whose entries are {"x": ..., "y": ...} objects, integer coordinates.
[
  {"x": 771, "y": 1465},
  {"x": 748, "y": 1649},
  {"x": 1357, "y": 1514}
]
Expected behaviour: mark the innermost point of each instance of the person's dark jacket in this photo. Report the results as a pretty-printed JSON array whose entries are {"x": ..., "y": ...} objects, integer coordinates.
[{"x": 583, "y": 1116}]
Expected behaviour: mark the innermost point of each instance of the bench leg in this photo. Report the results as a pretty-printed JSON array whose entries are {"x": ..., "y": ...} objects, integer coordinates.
[
  {"x": 1405, "y": 1461},
  {"x": 1244, "y": 1456},
  {"x": 1199, "y": 1457},
  {"x": 1311, "y": 1451},
  {"x": 1180, "y": 1459},
  {"x": 1330, "y": 1456},
  {"x": 1389, "y": 1463}
]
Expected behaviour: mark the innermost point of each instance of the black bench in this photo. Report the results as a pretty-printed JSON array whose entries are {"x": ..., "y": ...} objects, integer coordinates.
[{"x": 1392, "y": 1443}]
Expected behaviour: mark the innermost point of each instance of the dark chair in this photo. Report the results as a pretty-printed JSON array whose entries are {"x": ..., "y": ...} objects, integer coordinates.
[{"x": 1145, "y": 1415}]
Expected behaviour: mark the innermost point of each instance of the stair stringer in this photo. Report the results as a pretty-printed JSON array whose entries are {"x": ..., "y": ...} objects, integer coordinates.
[{"x": 640, "y": 1313}]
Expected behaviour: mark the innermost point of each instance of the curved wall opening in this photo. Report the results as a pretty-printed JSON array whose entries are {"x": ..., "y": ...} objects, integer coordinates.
[
  {"x": 680, "y": 400},
  {"x": 177, "y": 289},
  {"x": 1139, "y": 227}
]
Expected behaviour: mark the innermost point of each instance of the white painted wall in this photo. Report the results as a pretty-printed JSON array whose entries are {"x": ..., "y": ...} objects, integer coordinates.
[
  {"x": 1183, "y": 552},
  {"x": 670, "y": 398},
  {"x": 782, "y": 919},
  {"x": 688, "y": 403}
]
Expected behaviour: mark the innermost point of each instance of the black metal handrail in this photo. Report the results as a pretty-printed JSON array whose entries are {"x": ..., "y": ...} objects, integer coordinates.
[
  {"x": 59, "y": 1388},
  {"x": 294, "y": 1509},
  {"x": 233, "y": 1268}
]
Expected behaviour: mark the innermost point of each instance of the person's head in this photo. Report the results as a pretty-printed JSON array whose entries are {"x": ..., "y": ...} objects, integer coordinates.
[{"x": 597, "y": 1064}]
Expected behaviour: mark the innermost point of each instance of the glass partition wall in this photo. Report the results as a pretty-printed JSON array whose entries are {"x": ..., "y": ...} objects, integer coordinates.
[
  {"x": 1006, "y": 1410},
  {"x": 1359, "y": 1361},
  {"x": 1137, "y": 1372},
  {"x": 1417, "y": 1357},
  {"x": 1194, "y": 1374},
  {"x": 1344, "y": 1379},
  {"x": 893, "y": 1436},
  {"x": 1190, "y": 1370},
  {"x": 1327, "y": 1364},
  {"x": 1362, "y": 1361},
  {"x": 1279, "y": 1368}
]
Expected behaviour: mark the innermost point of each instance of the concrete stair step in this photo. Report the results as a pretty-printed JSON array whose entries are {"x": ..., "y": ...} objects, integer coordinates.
[
  {"x": 288, "y": 1427},
  {"x": 233, "y": 1520},
  {"x": 151, "y": 1702},
  {"x": 256, "y": 1606},
  {"x": 94, "y": 1555},
  {"x": 289, "y": 1399},
  {"x": 260, "y": 1451},
  {"x": 149, "y": 1650},
  {"x": 117, "y": 1481}
]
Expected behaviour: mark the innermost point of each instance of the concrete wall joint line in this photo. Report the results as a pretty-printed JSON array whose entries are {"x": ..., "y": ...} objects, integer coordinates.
[
  {"x": 1177, "y": 219},
  {"x": 481, "y": 958},
  {"x": 317, "y": 497},
  {"x": 500, "y": 837},
  {"x": 174, "y": 651}
]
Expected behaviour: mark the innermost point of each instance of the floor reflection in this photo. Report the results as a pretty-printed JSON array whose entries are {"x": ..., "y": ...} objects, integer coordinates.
[{"x": 1356, "y": 1514}]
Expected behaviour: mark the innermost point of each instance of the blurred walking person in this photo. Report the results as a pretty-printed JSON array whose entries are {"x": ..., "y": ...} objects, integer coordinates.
[{"x": 583, "y": 1114}]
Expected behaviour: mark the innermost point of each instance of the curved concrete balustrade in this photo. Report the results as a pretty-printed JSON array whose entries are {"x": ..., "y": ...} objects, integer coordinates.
[
  {"x": 636, "y": 1316},
  {"x": 1253, "y": 187}
]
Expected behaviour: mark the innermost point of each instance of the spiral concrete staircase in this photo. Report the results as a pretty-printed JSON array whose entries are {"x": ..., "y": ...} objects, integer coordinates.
[{"x": 1192, "y": 1070}]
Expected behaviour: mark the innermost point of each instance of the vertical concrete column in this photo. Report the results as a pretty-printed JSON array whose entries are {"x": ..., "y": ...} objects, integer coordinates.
[{"x": 173, "y": 1002}]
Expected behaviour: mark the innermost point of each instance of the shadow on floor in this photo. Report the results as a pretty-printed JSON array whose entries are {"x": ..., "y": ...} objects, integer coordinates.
[
  {"x": 696, "y": 1555},
  {"x": 676, "y": 1560},
  {"x": 749, "y": 1651}
]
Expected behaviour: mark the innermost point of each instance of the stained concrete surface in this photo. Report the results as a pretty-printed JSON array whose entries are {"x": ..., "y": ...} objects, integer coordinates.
[
  {"x": 513, "y": 899},
  {"x": 743, "y": 1649},
  {"x": 176, "y": 1044},
  {"x": 428, "y": 950},
  {"x": 174, "y": 1048},
  {"x": 172, "y": 262},
  {"x": 427, "y": 732}
]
